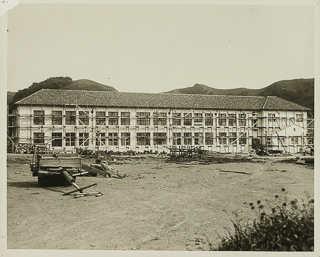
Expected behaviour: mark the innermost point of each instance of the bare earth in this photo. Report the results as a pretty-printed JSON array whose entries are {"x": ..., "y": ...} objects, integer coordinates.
[{"x": 158, "y": 206}]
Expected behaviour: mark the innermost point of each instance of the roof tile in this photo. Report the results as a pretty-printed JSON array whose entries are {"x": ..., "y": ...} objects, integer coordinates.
[{"x": 160, "y": 100}]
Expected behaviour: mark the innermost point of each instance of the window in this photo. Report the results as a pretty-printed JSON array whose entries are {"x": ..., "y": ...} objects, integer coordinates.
[
  {"x": 38, "y": 138},
  {"x": 70, "y": 118},
  {"x": 271, "y": 117},
  {"x": 299, "y": 117},
  {"x": 272, "y": 120},
  {"x": 176, "y": 119},
  {"x": 243, "y": 139},
  {"x": 159, "y": 138},
  {"x": 70, "y": 139},
  {"x": 222, "y": 119},
  {"x": 143, "y": 118},
  {"x": 159, "y": 118},
  {"x": 242, "y": 120},
  {"x": 83, "y": 118},
  {"x": 125, "y": 138},
  {"x": 83, "y": 139},
  {"x": 232, "y": 120},
  {"x": 294, "y": 140},
  {"x": 125, "y": 118},
  {"x": 100, "y": 118},
  {"x": 209, "y": 138},
  {"x": 100, "y": 139},
  {"x": 187, "y": 119},
  {"x": 113, "y": 118},
  {"x": 177, "y": 138},
  {"x": 187, "y": 140},
  {"x": 198, "y": 138},
  {"x": 143, "y": 138},
  {"x": 113, "y": 139},
  {"x": 56, "y": 118},
  {"x": 209, "y": 119},
  {"x": 269, "y": 141},
  {"x": 56, "y": 139},
  {"x": 38, "y": 117},
  {"x": 281, "y": 140},
  {"x": 198, "y": 119},
  {"x": 233, "y": 138},
  {"x": 291, "y": 120},
  {"x": 222, "y": 138},
  {"x": 255, "y": 123},
  {"x": 284, "y": 121}
]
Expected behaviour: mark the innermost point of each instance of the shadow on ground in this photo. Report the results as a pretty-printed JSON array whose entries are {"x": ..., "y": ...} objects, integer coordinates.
[
  {"x": 34, "y": 184},
  {"x": 28, "y": 184}
]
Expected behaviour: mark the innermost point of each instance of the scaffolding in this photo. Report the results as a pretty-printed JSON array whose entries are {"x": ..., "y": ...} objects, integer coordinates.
[{"x": 143, "y": 129}]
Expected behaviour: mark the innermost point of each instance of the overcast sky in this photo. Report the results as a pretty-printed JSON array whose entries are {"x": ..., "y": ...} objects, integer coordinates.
[{"x": 157, "y": 48}]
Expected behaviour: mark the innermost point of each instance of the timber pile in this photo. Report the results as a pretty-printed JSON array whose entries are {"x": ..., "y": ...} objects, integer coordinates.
[
  {"x": 305, "y": 160},
  {"x": 103, "y": 169}
]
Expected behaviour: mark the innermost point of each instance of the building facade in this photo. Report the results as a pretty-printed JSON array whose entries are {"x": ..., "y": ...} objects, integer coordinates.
[{"x": 112, "y": 121}]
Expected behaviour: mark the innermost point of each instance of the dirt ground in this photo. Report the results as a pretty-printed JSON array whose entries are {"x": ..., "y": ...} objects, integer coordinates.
[{"x": 160, "y": 205}]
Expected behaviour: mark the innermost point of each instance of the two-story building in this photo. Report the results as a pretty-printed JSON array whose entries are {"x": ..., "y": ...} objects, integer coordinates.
[{"x": 114, "y": 121}]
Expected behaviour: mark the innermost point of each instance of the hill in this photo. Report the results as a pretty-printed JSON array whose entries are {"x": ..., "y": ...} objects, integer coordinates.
[
  {"x": 89, "y": 85},
  {"x": 300, "y": 91},
  {"x": 62, "y": 83},
  {"x": 10, "y": 96}
]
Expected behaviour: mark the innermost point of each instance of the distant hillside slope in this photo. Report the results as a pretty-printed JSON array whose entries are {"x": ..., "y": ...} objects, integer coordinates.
[
  {"x": 63, "y": 83},
  {"x": 10, "y": 96},
  {"x": 89, "y": 85},
  {"x": 300, "y": 91}
]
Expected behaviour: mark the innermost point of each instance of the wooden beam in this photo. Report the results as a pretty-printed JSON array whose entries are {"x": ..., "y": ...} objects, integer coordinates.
[{"x": 79, "y": 189}]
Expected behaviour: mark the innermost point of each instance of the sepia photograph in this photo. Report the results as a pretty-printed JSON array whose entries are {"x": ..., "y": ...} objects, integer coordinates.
[{"x": 159, "y": 127}]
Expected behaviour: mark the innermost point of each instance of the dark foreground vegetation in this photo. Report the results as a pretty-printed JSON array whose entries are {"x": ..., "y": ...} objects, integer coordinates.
[{"x": 289, "y": 226}]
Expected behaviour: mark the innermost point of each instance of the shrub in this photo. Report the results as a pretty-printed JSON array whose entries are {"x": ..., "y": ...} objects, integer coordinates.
[{"x": 289, "y": 226}]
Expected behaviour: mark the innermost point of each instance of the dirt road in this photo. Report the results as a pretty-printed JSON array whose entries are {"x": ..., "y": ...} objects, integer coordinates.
[{"x": 158, "y": 206}]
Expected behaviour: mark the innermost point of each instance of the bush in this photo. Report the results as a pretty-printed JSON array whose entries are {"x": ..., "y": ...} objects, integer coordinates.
[{"x": 288, "y": 227}]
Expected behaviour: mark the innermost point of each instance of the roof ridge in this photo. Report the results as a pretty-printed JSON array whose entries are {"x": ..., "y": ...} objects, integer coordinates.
[
  {"x": 265, "y": 102},
  {"x": 29, "y": 95}
]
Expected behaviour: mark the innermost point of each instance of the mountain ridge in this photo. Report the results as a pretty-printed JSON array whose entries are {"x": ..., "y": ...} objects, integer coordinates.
[
  {"x": 299, "y": 91},
  {"x": 61, "y": 83}
]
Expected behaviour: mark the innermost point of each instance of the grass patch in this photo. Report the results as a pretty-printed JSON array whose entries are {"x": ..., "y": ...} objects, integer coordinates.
[{"x": 289, "y": 226}]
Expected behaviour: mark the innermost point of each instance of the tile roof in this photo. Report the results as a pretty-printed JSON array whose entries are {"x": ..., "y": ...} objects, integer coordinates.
[{"x": 161, "y": 100}]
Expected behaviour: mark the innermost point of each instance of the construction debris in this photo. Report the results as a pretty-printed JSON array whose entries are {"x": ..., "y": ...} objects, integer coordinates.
[
  {"x": 240, "y": 172},
  {"x": 303, "y": 160},
  {"x": 80, "y": 189},
  {"x": 94, "y": 169},
  {"x": 96, "y": 194},
  {"x": 103, "y": 169}
]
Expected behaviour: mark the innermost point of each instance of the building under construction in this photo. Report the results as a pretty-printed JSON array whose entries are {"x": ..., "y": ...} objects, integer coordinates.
[{"x": 67, "y": 120}]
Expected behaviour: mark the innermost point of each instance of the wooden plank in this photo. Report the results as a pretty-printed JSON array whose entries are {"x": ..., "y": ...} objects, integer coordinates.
[
  {"x": 79, "y": 189},
  {"x": 231, "y": 171},
  {"x": 92, "y": 169},
  {"x": 97, "y": 194},
  {"x": 68, "y": 177},
  {"x": 60, "y": 162},
  {"x": 76, "y": 186},
  {"x": 80, "y": 174}
]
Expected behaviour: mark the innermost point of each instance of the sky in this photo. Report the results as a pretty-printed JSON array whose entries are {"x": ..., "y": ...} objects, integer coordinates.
[{"x": 158, "y": 48}]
